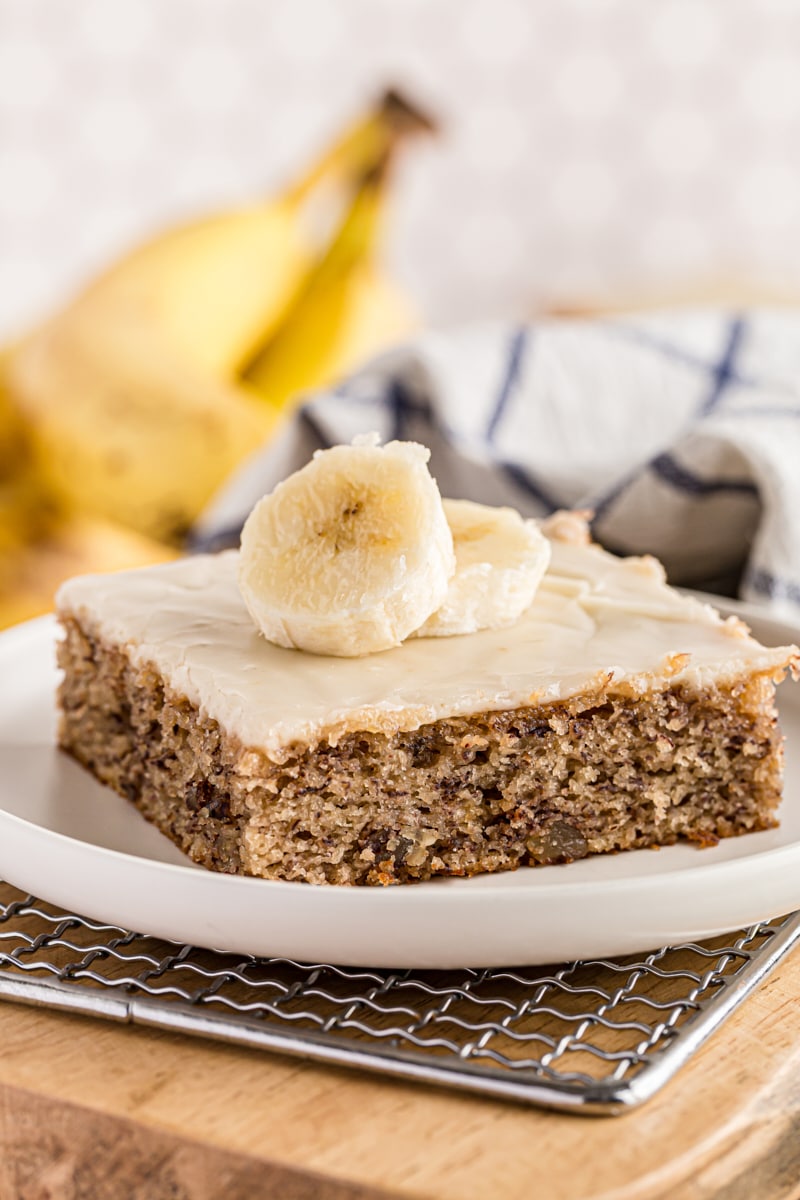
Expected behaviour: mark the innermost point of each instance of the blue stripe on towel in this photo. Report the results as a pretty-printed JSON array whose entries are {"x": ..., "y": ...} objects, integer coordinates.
[
  {"x": 601, "y": 506},
  {"x": 532, "y": 488},
  {"x": 767, "y": 584},
  {"x": 723, "y": 374},
  {"x": 210, "y": 543},
  {"x": 309, "y": 424},
  {"x": 670, "y": 470},
  {"x": 403, "y": 406},
  {"x": 511, "y": 375}
]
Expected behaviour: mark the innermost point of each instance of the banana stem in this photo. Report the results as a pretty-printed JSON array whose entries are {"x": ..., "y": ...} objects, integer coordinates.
[
  {"x": 392, "y": 119},
  {"x": 359, "y": 164}
]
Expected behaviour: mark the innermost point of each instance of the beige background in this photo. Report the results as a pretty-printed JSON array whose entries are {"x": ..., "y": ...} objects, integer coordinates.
[{"x": 591, "y": 147}]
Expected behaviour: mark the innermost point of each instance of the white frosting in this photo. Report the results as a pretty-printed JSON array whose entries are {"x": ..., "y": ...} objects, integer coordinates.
[{"x": 595, "y": 619}]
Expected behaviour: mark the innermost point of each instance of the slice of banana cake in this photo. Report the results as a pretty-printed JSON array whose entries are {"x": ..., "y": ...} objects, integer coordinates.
[{"x": 612, "y": 713}]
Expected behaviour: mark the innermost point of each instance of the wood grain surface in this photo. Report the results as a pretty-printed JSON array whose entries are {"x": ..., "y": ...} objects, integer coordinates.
[{"x": 91, "y": 1109}]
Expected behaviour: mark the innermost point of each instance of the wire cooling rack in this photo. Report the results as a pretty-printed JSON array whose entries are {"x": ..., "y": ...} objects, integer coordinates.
[{"x": 593, "y": 1036}]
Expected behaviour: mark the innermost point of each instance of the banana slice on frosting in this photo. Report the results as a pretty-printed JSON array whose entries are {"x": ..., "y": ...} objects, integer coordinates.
[
  {"x": 500, "y": 561},
  {"x": 351, "y": 554},
  {"x": 357, "y": 552}
]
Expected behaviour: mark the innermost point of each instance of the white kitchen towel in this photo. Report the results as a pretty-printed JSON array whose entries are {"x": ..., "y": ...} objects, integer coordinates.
[{"x": 680, "y": 430}]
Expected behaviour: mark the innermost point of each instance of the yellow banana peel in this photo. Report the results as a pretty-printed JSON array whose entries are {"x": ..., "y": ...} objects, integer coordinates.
[
  {"x": 11, "y": 424},
  {"x": 211, "y": 286},
  {"x": 129, "y": 408},
  {"x": 124, "y": 426},
  {"x": 344, "y": 309}
]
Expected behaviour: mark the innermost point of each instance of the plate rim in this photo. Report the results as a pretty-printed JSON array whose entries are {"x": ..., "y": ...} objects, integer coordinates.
[
  {"x": 47, "y": 623},
  {"x": 536, "y": 888}
]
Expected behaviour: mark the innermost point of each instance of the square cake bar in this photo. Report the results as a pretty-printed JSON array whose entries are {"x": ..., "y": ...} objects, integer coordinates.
[{"x": 615, "y": 714}]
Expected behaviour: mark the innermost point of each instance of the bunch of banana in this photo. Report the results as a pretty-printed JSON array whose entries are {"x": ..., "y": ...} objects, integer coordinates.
[
  {"x": 41, "y": 541},
  {"x": 134, "y": 403}
]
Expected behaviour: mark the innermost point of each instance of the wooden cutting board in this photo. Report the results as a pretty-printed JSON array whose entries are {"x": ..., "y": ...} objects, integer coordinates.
[{"x": 91, "y": 1109}]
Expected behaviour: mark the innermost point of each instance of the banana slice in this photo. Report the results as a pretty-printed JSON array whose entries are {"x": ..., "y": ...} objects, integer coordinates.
[
  {"x": 500, "y": 561},
  {"x": 350, "y": 554}
]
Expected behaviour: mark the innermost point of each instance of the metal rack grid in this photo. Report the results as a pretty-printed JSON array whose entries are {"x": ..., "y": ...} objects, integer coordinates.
[{"x": 592, "y": 1036}]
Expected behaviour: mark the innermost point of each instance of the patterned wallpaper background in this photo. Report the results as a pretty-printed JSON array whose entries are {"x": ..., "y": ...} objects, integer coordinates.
[{"x": 591, "y": 149}]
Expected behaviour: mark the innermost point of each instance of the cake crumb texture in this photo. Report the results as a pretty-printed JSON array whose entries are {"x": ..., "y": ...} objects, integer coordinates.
[{"x": 489, "y": 792}]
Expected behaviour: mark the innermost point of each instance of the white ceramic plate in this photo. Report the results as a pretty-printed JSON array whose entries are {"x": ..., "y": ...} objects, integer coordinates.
[{"x": 71, "y": 841}]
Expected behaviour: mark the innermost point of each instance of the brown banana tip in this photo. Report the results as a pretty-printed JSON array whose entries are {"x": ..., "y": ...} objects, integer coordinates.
[
  {"x": 404, "y": 115},
  {"x": 377, "y": 170}
]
